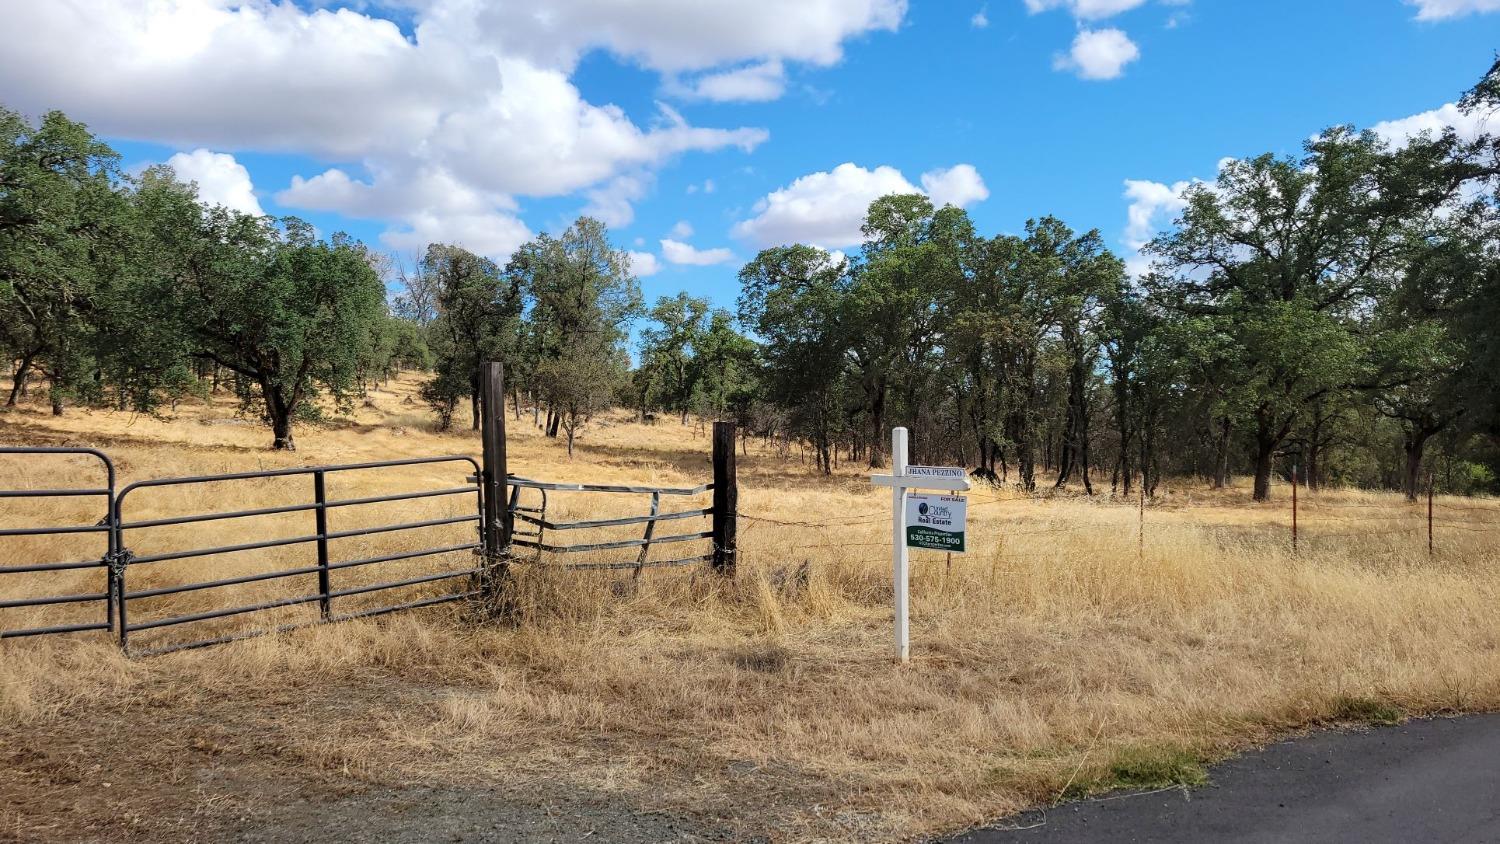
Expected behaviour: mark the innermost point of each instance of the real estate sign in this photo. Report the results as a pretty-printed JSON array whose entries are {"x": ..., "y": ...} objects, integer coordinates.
[{"x": 936, "y": 522}]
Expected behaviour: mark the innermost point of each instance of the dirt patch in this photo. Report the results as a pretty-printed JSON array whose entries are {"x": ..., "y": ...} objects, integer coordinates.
[{"x": 224, "y": 770}]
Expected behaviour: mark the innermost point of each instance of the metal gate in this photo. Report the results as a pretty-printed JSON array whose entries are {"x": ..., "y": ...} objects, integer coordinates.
[
  {"x": 139, "y": 554},
  {"x": 323, "y": 568},
  {"x": 100, "y": 564}
]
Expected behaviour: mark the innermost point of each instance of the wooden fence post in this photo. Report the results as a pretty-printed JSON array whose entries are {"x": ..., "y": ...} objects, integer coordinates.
[
  {"x": 497, "y": 517},
  {"x": 726, "y": 500}
]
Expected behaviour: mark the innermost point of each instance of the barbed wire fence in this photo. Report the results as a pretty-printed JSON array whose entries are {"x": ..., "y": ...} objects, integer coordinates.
[{"x": 1308, "y": 520}]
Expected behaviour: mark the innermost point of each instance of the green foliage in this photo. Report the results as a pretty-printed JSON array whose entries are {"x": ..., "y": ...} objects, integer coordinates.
[
  {"x": 293, "y": 315},
  {"x": 60, "y": 231},
  {"x": 1335, "y": 310},
  {"x": 478, "y": 319}
]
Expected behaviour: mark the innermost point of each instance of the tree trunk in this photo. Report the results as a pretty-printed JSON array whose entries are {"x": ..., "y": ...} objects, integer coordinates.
[
  {"x": 1265, "y": 454},
  {"x": 877, "y": 424},
  {"x": 18, "y": 380},
  {"x": 281, "y": 422},
  {"x": 1221, "y": 457},
  {"x": 1414, "y": 444},
  {"x": 474, "y": 408},
  {"x": 56, "y": 394}
]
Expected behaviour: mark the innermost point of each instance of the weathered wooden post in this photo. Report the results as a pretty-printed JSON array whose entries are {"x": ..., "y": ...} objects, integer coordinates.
[
  {"x": 726, "y": 500},
  {"x": 496, "y": 530}
]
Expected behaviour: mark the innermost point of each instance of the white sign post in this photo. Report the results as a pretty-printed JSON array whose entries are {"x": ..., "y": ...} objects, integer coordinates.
[{"x": 902, "y": 478}]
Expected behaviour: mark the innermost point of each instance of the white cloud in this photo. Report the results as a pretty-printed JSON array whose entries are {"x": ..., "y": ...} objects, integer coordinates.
[
  {"x": 612, "y": 203},
  {"x": 1085, "y": 9},
  {"x": 753, "y": 83},
  {"x": 677, "y": 252},
  {"x": 496, "y": 234},
  {"x": 1468, "y": 126},
  {"x": 221, "y": 180},
  {"x": 474, "y": 96},
  {"x": 981, "y": 18},
  {"x": 681, "y": 231},
  {"x": 1098, "y": 54},
  {"x": 959, "y": 185},
  {"x": 1151, "y": 205},
  {"x": 644, "y": 263},
  {"x": 1428, "y": 10},
  {"x": 826, "y": 209},
  {"x": 678, "y": 35}
]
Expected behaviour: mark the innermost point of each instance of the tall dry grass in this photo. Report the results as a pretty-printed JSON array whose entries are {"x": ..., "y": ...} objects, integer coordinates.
[{"x": 1062, "y": 654}]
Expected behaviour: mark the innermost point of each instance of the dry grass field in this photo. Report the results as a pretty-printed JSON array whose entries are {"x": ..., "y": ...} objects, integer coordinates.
[{"x": 1058, "y": 658}]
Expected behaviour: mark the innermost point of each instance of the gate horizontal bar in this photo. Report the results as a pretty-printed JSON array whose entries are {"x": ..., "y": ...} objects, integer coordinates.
[
  {"x": 290, "y": 602},
  {"x": 628, "y": 520},
  {"x": 303, "y": 625},
  {"x": 43, "y": 631},
  {"x": 299, "y": 470},
  {"x": 51, "y": 599},
  {"x": 298, "y": 540},
  {"x": 398, "y": 584},
  {"x": 451, "y": 520},
  {"x": 649, "y": 564},
  {"x": 50, "y": 493},
  {"x": 293, "y": 508},
  {"x": 606, "y": 546},
  {"x": 54, "y": 530},
  {"x": 36, "y": 567},
  {"x": 530, "y": 484},
  {"x": 252, "y": 578}
]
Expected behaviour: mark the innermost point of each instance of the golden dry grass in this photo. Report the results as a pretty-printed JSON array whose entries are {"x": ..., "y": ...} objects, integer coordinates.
[{"x": 1051, "y": 660}]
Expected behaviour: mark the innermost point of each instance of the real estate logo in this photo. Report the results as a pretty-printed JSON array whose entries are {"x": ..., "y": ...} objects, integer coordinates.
[{"x": 936, "y": 522}]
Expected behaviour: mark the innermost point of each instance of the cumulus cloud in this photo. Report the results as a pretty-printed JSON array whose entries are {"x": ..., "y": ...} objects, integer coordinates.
[
  {"x": 613, "y": 202},
  {"x": 753, "y": 83},
  {"x": 678, "y": 35},
  {"x": 477, "y": 95},
  {"x": 1085, "y": 9},
  {"x": 981, "y": 18},
  {"x": 221, "y": 180},
  {"x": 644, "y": 263},
  {"x": 1468, "y": 126},
  {"x": 1430, "y": 10},
  {"x": 484, "y": 233},
  {"x": 1152, "y": 204},
  {"x": 959, "y": 185},
  {"x": 827, "y": 208},
  {"x": 681, "y": 231},
  {"x": 1098, "y": 54},
  {"x": 678, "y": 252}
]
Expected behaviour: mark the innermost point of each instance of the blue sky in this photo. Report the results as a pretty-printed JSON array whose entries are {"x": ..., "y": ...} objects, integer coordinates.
[{"x": 484, "y": 122}]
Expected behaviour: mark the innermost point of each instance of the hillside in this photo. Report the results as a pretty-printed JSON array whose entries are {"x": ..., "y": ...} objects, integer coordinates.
[{"x": 1081, "y": 644}]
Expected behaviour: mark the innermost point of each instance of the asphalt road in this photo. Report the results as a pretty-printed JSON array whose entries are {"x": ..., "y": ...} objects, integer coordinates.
[{"x": 1423, "y": 782}]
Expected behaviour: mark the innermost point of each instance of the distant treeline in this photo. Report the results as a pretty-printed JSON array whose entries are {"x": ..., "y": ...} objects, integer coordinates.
[{"x": 1337, "y": 310}]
